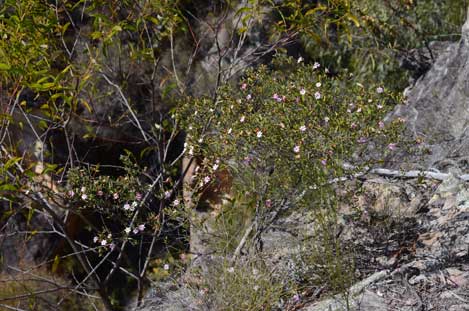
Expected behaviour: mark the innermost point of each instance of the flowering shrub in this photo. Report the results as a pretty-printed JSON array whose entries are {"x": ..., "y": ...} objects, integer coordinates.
[{"x": 291, "y": 122}]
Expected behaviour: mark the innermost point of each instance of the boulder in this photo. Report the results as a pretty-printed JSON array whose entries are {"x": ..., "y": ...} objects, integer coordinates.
[{"x": 436, "y": 111}]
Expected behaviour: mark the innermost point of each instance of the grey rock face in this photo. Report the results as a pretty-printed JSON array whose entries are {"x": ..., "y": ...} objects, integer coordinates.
[{"x": 437, "y": 109}]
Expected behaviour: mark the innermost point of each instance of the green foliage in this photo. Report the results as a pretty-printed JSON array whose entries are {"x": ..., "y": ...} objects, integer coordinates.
[
  {"x": 381, "y": 32},
  {"x": 291, "y": 127},
  {"x": 245, "y": 286}
]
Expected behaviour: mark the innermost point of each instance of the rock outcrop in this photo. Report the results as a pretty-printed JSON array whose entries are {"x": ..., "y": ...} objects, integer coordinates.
[{"x": 437, "y": 110}]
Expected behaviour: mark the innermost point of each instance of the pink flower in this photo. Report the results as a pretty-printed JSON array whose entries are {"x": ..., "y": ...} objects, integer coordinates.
[
  {"x": 103, "y": 243},
  {"x": 126, "y": 206},
  {"x": 115, "y": 196},
  {"x": 84, "y": 196},
  {"x": 138, "y": 196},
  {"x": 303, "y": 128},
  {"x": 353, "y": 125},
  {"x": 244, "y": 86},
  {"x": 362, "y": 140},
  {"x": 317, "y": 95},
  {"x": 392, "y": 146},
  {"x": 71, "y": 193},
  {"x": 379, "y": 90},
  {"x": 276, "y": 97},
  {"x": 302, "y": 91},
  {"x": 141, "y": 227},
  {"x": 248, "y": 97},
  {"x": 296, "y": 149},
  {"x": 379, "y": 106},
  {"x": 176, "y": 202},
  {"x": 381, "y": 124},
  {"x": 324, "y": 162},
  {"x": 167, "y": 194},
  {"x": 268, "y": 203},
  {"x": 135, "y": 231},
  {"x": 100, "y": 193},
  {"x": 112, "y": 246},
  {"x": 207, "y": 179}
]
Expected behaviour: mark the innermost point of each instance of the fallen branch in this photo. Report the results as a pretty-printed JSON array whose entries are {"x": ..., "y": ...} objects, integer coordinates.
[{"x": 337, "y": 301}]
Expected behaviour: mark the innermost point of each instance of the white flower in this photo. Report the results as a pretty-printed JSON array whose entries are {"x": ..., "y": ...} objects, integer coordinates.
[
  {"x": 115, "y": 196},
  {"x": 126, "y": 206},
  {"x": 379, "y": 106},
  {"x": 326, "y": 119},
  {"x": 318, "y": 84},
  {"x": 167, "y": 194},
  {"x": 166, "y": 267},
  {"x": 248, "y": 97},
  {"x": 230, "y": 130},
  {"x": 256, "y": 288},
  {"x": 303, "y": 128},
  {"x": 135, "y": 230},
  {"x": 95, "y": 239},
  {"x": 300, "y": 59},
  {"x": 103, "y": 242},
  {"x": 207, "y": 179},
  {"x": 109, "y": 236},
  {"x": 84, "y": 196},
  {"x": 259, "y": 134},
  {"x": 200, "y": 140},
  {"x": 127, "y": 230},
  {"x": 211, "y": 110},
  {"x": 191, "y": 151},
  {"x": 317, "y": 95},
  {"x": 215, "y": 167},
  {"x": 316, "y": 65},
  {"x": 83, "y": 189},
  {"x": 141, "y": 227},
  {"x": 296, "y": 149},
  {"x": 302, "y": 91},
  {"x": 379, "y": 90},
  {"x": 133, "y": 206},
  {"x": 230, "y": 269},
  {"x": 242, "y": 119},
  {"x": 359, "y": 110},
  {"x": 176, "y": 202}
]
